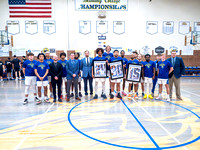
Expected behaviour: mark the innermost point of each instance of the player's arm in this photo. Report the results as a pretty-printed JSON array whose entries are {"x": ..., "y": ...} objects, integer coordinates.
[
  {"x": 36, "y": 73},
  {"x": 171, "y": 69},
  {"x": 154, "y": 72},
  {"x": 143, "y": 73},
  {"x": 47, "y": 71},
  {"x": 157, "y": 71},
  {"x": 24, "y": 70}
]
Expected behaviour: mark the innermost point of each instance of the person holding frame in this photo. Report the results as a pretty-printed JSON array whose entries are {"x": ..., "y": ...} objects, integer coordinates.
[
  {"x": 115, "y": 81},
  {"x": 139, "y": 58},
  {"x": 149, "y": 75},
  {"x": 125, "y": 60},
  {"x": 164, "y": 69},
  {"x": 133, "y": 60},
  {"x": 100, "y": 57}
]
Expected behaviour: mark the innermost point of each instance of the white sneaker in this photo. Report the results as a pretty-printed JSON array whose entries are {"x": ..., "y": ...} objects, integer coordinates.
[
  {"x": 20, "y": 78},
  {"x": 158, "y": 98},
  {"x": 168, "y": 99},
  {"x": 1, "y": 80},
  {"x": 16, "y": 79}
]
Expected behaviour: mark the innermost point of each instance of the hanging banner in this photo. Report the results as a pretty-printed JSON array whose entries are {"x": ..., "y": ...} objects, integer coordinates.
[
  {"x": 13, "y": 27},
  {"x": 49, "y": 26},
  {"x": 84, "y": 27},
  {"x": 4, "y": 51},
  {"x": 168, "y": 27},
  {"x": 102, "y": 27},
  {"x": 31, "y": 27},
  {"x": 119, "y": 5},
  {"x": 184, "y": 27},
  {"x": 196, "y": 26},
  {"x": 18, "y": 51},
  {"x": 119, "y": 27},
  {"x": 152, "y": 27}
]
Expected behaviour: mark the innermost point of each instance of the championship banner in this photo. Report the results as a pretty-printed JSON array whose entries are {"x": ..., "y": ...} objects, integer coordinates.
[{"x": 119, "y": 5}]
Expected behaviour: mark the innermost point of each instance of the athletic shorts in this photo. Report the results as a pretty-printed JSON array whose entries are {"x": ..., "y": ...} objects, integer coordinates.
[
  {"x": 141, "y": 80},
  {"x": 49, "y": 78},
  {"x": 8, "y": 70},
  {"x": 108, "y": 73},
  {"x": 1, "y": 73},
  {"x": 130, "y": 82},
  {"x": 16, "y": 69},
  {"x": 79, "y": 79},
  {"x": 116, "y": 81},
  {"x": 30, "y": 80},
  {"x": 162, "y": 81},
  {"x": 100, "y": 79},
  {"x": 147, "y": 80},
  {"x": 64, "y": 79},
  {"x": 42, "y": 83}
]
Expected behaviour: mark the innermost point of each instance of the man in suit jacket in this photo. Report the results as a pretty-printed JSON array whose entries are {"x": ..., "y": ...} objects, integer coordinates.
[
  {"x": 174, "y": 77},
  {"x": 56, "y": 71},
  {"x": 86, "y": 67},
  {"x": 72, "y": 75}
]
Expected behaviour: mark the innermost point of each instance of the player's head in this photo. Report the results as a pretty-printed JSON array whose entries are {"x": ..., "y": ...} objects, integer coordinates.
[
  {"x": 134, "y": 55},
  {"x": 99, "y": 51},
  {"x": 87, "y": 53},
  {"x": 15, "y": 56},
  {"x": 8, "y": 58},
  {"x": 122, "y": 53},
  {"x": 116, "y": 53},
  {"x": 147, "y": 57},
  {"x": 139, "y": 57},
  {"x": 47, "y": 54},
  {"x": 62, "y": 55},
  {"x": 55, "y": 58},
  {"x": 41, "y": 56},
  {"x": 30, "y": 56},
  {"x": 76, "y": 55},
  {"x": 159, "y": 56},
  {"x": 24, "y": 57},
  {"x": 72, "y": 56},
  {"x": 163, "y": 57},
  {"x": 108, "y": 48},
  {"x": 173, "y": 53}
]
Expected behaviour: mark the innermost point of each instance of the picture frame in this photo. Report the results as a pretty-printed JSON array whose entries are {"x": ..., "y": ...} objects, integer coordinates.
[
  {"x": 100, "y": 69},
  {"x": 116, "y": 70},
  {"x": 134, "y": 73}
]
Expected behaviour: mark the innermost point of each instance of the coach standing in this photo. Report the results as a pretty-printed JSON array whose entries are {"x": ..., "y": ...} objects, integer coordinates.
[
  {"x": 56, "y": 71},
  {"x": 175, "y": 76},
  {"x": 86, "y": 67}
]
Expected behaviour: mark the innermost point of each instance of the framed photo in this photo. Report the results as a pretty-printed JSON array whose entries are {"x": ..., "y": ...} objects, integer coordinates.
[
  {"x": 116, "y": 70},
  {"x": 100, "y": 69},
  {"x": 134, "y": 73}
]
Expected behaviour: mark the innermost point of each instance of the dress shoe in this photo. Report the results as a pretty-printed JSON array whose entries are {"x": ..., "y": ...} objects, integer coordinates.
[
  {"x": 179, "y": 98},
  {"x": 54, "y": 100},
  {"x": 60, "y": 100},
  {"x": 68, "y": 99},
  {"x": 78, "y": 98}
]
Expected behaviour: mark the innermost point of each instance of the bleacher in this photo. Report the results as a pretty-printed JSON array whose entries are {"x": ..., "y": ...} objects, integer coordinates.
[{"x": 192, "y": 71}]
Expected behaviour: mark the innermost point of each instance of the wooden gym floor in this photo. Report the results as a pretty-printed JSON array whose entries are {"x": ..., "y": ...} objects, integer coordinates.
[{"x": 100, "y": 124}]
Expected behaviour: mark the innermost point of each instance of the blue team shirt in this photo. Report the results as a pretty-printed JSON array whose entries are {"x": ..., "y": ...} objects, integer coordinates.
[
  {"x": 148, "y": 68},
  {"x": 164, "y": 67},
  {"x": 63, "y": 63},
  {"x": 29, "y": 66},
  {"x": 41, "y": 69},
  {"x": 125, "y": 61},
  {"x": 49, "y": 61},
  {"x": 135, "y": 61},
  {"x": 108, "y": 56},
  {"x": 112, "y": 59},
  {"x": 100, "y": 58}
]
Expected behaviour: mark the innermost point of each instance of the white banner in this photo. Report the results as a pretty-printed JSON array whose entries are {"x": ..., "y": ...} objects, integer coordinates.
[
  {"x": 102, "y": 27},
  {"x": 168, "y": 27},
  {"x": 49, "y": 26},
  {"x": 197, "y": 26},
  {"x": 31, "y": 27},
  {"x": 13, "y": 27},
  {"x": 119, "y": 5},
  {"x": 19, "y": 51},
  {"x": 152, "y": 27},
  {"x": 184, "y": 27},
  {"x": 4, "y": 51},
  {"x": 84, "y": 27},
  {"x": 119, "y": 27}
]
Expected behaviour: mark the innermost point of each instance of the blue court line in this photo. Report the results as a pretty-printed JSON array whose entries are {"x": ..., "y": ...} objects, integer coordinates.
[{"x": 121, "y": 146}]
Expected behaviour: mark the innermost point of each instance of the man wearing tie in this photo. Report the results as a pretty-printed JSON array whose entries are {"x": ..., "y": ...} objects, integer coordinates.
[
  {"x": 86, "y": 67},
  {"x": 72, "y": 75},
  {"x": 174, "y": 77},
  {"x": 56, "y": 71}
]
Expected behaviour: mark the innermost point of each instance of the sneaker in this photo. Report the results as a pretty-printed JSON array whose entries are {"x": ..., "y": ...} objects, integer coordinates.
[
  {"x": 51, "y": 95},
  {"x": 72, "y": 95},
  {"x": 123, "y": 93},
  {"x": 20, "y": 78},
  {"x": 16, "y": 79},
  {"x": 142, "y": 94},
  {"x": 119, "y": 96},
  {"x": 104, "y": 96},
  {"x": 25, "y": 101},
  {"x": 145, "y": 96},
  {"x": 38, "y": 101},
  {"x": 54, "y": 100},
  {"x": 116, "y": 95},
  {"x": 150, "y": 96},
  {"x": 61, "y": 96},
  {"x": 136, "y": 96},
  {"x": 47, "y": 100},
  {"x": 158, "y": 98},
  {"x": 129, "y": 95},
  {"x": 80, "y": 94},
  {"x": 168, "y": 99},
  {"x": 95, "y": 97},
  {"x": 60, "y": 100},
  {"x": 111, "y": 96}
]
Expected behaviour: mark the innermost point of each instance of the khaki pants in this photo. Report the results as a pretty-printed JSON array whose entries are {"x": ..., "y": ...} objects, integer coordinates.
[{"x": 176, "y": 82}]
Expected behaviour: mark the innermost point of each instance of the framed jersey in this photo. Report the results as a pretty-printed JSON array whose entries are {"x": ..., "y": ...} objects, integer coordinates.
[
  {"x": 116, "y": 70},
  {"x": 134, "y": 73},
  {"x": 100, "y": 69}
]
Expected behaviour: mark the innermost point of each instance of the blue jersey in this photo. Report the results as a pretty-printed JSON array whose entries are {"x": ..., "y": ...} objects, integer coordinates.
[
  {"x": 41, "y": 69},
  {"x": 164, "y": 67},
  {"x": 135, "y": 61},
  {"x": 49, "y": 61},
  {"x": 29, "y": 66},
  {"x": 112, "y": 59},
  {"x": 100, "y": 58},
  {"x": 125, "y": 61},
  {"x": 64, "y": 67},
  {"x": 108, "y": 56},
  {"x": 148, "y": 68}
]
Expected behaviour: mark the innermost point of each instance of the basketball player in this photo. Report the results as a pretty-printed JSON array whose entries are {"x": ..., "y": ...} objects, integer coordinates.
[
  {"x": 164, "y": 69},
  {"x": 115, "y": 81},
  {"x": 41, "y": 69},
  {"x": 8, "y": 65},
  {"x": 149, "y": 75},
  {"x": 2, "y": 69},
  {"x": 124, "y": 63},
  {"x": 63, "y": 61},
  {"x": 139, "y": 58},
  {"x": 100, "y": 56},
  {"x": 49, "y": 61},
  {"x": 30, "y": 78},
  {"x": 16, "y": 67}
]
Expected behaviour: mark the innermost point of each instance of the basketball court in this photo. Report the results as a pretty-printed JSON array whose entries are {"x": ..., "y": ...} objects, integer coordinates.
[{"x": 100, "y": 124}]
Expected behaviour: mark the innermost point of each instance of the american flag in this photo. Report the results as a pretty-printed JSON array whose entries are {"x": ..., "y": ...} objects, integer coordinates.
[{"x": 30, "y": 8}]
